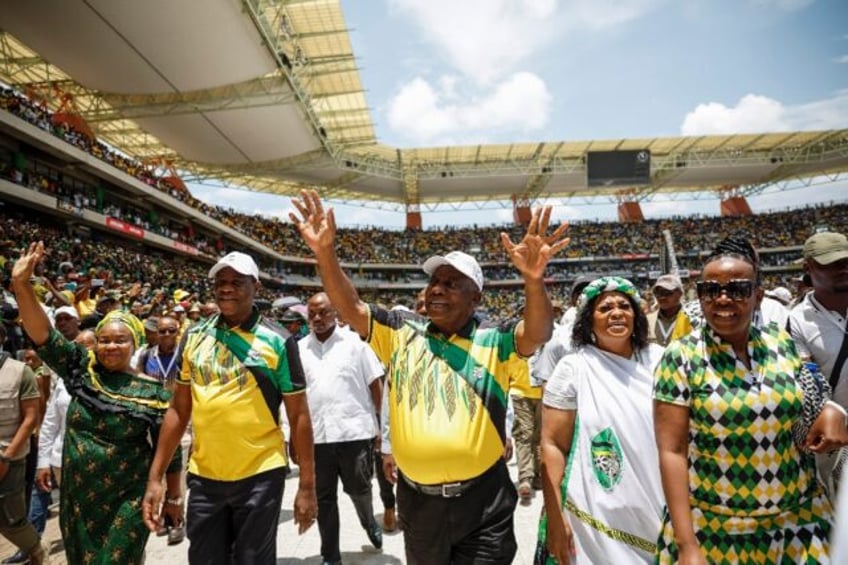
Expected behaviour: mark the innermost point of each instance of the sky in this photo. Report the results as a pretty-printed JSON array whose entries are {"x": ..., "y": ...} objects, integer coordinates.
[{"x": 458, "y": 72}]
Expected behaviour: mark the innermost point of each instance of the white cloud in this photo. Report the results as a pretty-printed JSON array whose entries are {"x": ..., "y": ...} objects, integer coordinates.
[
  {"x": 758, "y": 114},
  {"x": 482, "y": 38},
  {"x": 486, "y": 39},
  {"x": 425, "y": 114}
]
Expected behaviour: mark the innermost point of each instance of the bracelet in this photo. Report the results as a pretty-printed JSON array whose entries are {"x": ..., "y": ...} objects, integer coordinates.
[{"x": 176, "y": 501}]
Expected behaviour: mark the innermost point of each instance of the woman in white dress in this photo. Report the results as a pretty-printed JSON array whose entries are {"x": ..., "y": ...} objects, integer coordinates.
[{"x": 600, "y": 473}]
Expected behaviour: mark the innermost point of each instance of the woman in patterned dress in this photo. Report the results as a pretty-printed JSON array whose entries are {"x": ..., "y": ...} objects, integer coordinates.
[
  {"x": 736, "y": 415},
  {"x": 112, "y": 424}
]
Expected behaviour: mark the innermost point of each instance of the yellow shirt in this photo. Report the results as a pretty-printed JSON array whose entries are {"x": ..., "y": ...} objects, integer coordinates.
[
  {"x": 447, "y": 394},
  {"x": 236, "y": 426}
]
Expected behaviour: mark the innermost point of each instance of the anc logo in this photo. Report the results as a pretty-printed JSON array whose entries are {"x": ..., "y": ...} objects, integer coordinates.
[{"x": 607, "y": 459}]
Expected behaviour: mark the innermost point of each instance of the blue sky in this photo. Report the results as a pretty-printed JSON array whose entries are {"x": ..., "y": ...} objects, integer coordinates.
[{"x": 444, "y": 72}]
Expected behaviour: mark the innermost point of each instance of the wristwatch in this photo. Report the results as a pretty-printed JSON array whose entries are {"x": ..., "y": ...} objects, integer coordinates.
[{"x": 176, "y": 501}]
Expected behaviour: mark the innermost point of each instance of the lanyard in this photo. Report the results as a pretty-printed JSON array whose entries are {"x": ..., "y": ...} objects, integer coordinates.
[
  {"x": 666, "y": 332},
  {"x": 165, "y": 372}
]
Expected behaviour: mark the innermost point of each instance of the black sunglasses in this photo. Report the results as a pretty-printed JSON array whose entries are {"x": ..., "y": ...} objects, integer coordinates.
[
  {"x": 738, "y": 289},
  {"x": 662, "y": 292}
]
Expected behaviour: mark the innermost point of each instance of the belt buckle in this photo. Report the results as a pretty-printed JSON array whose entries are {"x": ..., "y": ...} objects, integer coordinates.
[{"x": 451, "y": 490}]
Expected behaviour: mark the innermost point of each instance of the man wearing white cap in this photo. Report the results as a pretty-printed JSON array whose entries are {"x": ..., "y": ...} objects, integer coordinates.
[
  {"x": 819, "y": 323},
  {"x": 66, "y": 319},
  {"x": 448, "y": 380},
  {"x": 236, "y": 368},
  {"x": 669, "y": 321}
]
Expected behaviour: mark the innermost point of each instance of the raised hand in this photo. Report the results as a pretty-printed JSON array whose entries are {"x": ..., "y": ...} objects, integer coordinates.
[
  {"x": 531, "y": 255},
  {"x": 25, "y": 265},
  {"x": 316, "y": 227}
]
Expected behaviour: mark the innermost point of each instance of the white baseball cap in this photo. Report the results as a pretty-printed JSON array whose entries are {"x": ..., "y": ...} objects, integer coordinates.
[
  {"x": 239, "y": 262},
  {"x": 67, "y": 310},
  {"x": 781, "y": 294},
  {"x": 462, "y": 262}
]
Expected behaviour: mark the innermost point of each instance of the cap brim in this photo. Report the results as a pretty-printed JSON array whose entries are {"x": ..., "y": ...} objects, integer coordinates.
[
  {"x": 830, "y": 257},
  {"x": 218, "y": 267},
  {"x": 433, "y": 263}
]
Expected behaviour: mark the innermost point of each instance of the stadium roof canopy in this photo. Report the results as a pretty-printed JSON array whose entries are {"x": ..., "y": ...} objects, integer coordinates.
[{"x": 266, "y": 95}]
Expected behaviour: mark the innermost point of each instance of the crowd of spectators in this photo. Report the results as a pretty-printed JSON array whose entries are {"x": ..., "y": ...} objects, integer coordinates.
[
  {"x": 635, "y": 247},
  {"x": 378, "y": 245}
]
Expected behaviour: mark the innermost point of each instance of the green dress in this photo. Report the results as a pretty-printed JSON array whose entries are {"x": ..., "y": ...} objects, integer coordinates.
[
  {"x": 754, "y": 493},
  {"x": 112, "y": 423}
]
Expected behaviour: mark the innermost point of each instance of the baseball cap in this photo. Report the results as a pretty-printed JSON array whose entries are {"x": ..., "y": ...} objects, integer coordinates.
[
  {"x": 67, "y": 310},
  {"x": 108, "y": 297},
  {"x": 669, "y": 282},
  {"x": 239, "y": 262},
  {"x": 826, "y": 247},
  {"x": 179, "y": 294},
  {"x": 781, "y": 294},
  {"x": 291, "y": 316},
  {"x": 580, "y": 282},
  {"x": 462, "y": 262}
]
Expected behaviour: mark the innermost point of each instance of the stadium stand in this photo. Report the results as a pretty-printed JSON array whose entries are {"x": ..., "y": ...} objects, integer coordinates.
[{"x": 383, "y": 263}]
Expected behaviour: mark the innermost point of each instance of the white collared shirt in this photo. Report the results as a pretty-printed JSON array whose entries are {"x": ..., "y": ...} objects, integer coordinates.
[
  {"x": 339, "y": 373},
  {"x": 818, "y": 334}
]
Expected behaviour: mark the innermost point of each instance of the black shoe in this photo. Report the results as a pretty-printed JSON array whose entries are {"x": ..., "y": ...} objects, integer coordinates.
[
  {"x": 19, "y": 557},
  {"x": 375, "y": 536},
  {"x": 176, "y": 535}
]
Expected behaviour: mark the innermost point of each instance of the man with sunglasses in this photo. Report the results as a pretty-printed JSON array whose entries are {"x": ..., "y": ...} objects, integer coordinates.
[
  {"x": 819, "y": 323},
  {"x": 669, "y": 321},
  {"x": 163, "y": 363}
]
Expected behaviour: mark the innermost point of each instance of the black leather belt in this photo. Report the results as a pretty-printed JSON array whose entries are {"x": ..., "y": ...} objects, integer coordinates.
[{"x": 449, "y": 490}]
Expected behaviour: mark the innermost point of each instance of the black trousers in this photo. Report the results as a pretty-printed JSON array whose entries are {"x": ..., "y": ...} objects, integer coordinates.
[
  {"x": 234, "y": 521},
  {"x": 476, "y": 527},
  {"x": 387, "y": 489},
  {"x": 352, "y": 462}
]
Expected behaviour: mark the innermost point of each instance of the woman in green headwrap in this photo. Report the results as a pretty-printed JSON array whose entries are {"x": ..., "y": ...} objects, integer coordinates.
[
  {"x": 600, "y": 478},
  {"x": 113, "y": 415}
]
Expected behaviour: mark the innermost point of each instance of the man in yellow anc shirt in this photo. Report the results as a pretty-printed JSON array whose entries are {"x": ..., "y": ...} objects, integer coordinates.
[
  {"x": 448, "y": 381},
  {"x": 237, "y": 367}
]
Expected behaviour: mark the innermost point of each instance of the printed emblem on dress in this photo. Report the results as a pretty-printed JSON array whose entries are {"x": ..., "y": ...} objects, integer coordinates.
[{"x": 607, "y": 458}]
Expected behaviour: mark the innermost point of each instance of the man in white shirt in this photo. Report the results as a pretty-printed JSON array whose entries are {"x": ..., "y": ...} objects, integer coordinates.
[
  {"x": 819, "y": 323},
  {"x": 343, "y": 388},
  {"x": 51, "y": 439}
]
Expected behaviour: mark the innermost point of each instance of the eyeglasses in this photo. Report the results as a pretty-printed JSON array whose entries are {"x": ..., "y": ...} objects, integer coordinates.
[
  {"x": 663, "y": 292},
  {"x": 167, "y": 331},
  {"x": 738, "y": 289}
]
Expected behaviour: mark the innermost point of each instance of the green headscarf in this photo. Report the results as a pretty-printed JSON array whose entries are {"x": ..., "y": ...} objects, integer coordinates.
[
  {"x": 607, "y": 284},
  {"x": 130, "y": 321}
]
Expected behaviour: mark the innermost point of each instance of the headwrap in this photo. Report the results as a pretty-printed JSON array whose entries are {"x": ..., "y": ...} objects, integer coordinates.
[
  {"x": 131, "y": 322},
  {"x": 607, "y": 284}
]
